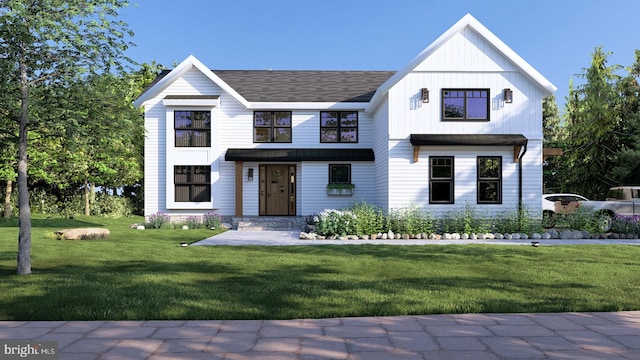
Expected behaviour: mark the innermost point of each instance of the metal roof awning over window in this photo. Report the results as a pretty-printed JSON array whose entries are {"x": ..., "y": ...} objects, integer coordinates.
[
  {"x": 517, "y": 141},
  {"x": 296, "y": 155}
]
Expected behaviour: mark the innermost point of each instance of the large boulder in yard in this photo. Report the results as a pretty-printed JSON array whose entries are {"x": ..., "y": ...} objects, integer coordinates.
[{"x": 83, "y": 233}]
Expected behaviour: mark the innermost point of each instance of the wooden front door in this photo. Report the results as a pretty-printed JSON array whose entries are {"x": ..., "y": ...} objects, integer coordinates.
[{"x": 277, "y": 190}]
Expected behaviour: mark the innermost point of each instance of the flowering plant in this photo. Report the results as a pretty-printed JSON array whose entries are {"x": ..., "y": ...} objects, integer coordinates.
[{"x": 335, "y": 222}]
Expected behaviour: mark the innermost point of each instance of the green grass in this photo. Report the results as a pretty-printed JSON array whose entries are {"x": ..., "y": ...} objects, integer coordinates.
[{"x": 139, "y": 275}]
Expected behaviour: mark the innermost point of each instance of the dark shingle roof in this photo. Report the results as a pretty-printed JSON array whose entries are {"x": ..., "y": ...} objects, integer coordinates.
[
  {"x": 301, "y": 86},
  {"x": 304, "y": 86}
]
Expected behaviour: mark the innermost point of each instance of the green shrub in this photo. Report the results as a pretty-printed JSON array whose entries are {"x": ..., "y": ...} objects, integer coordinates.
[
  {"x": 193, "y": 222},
  {"x": 513, "y": 221},
  {"x": 626, "y": 224},
  {"x": 159, "y": 221},
  {"x": 410, "y": 220},
  {"x": 465, "y": 220},
  {"x": 167, "y": 226},
  {"x": 331, "y": 222},
  {"x": 212, "y": 220},
  {"x": 111, "y": 206},
  {"x": 370, "y": 219}
]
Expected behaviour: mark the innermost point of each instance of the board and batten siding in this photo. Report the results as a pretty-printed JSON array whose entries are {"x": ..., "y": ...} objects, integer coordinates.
[
  {"x": 381, "y": 151},
  {"x": 409, "y": 115}
]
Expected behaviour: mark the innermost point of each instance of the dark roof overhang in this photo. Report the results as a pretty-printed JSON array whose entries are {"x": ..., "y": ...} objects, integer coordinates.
[
  {"x": 468, "y": 139},
  {"x": 517, "y": 141},
  {"x": 192, "y": 97},
  {"x": 279, "y": 155}
]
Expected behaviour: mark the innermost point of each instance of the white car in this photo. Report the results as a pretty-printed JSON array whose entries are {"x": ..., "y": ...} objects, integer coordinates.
[{"x": 553, "y": 204}]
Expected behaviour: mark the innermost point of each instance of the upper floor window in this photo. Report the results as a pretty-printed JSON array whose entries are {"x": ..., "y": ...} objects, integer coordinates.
[
  {"x": 465, "y": 104},
  {"x": 272, "y": 126},
  {"x": 338, "y": 126},
  {"x": 192, "y": 128},
  {"x": 192, "y": 183},
  {"x": 339, "y": 174},
  {"x": 489, "y": 180},
  {"x": 441, "y": 180}
]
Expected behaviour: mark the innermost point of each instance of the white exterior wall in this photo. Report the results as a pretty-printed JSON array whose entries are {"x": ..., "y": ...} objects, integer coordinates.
[
  {"x": 381, "y": 150},
  {"x": 232, "y": 127},
  {"x": 465, "y": 61},
  {"x": 312, "y": 177},
  {"x": 412, "y": 179}
]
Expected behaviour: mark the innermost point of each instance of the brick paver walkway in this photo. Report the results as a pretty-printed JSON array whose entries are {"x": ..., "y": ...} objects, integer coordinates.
[{"x": 613, "y": 335}]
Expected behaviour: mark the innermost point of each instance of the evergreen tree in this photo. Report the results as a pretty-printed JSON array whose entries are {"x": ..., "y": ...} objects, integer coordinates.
[{"x": 592, "y": 129}]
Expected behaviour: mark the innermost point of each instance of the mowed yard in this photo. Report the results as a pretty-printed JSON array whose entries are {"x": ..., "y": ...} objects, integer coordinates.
[{"x": 146, "y": 274}]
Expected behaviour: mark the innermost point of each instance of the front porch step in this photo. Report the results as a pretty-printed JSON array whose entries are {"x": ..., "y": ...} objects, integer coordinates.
[{"x": 269, "y": 223}]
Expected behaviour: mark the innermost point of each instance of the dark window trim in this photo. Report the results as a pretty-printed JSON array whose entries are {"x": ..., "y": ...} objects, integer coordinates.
[
  {"x": 191, "y": 182},
  {"x": 339, "y": 127},
  {"x": 450, "y": 180},
  {"x": 465, "y": 104},
  {"x": 332, "y": 181},
  {"x": 191, "y": 129},
  {"x": 489, "y": 179},
  {"x": 273, "y": 127}
]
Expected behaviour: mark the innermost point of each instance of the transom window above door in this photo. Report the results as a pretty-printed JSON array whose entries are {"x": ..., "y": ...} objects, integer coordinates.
[
  {"x": 465, "y": 104},
  {"x": 272, "y": 126},
  {"x": 338, "y": 126}
]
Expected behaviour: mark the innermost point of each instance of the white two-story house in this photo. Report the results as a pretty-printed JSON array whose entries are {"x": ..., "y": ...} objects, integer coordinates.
[{"x": 460, "y": 125}]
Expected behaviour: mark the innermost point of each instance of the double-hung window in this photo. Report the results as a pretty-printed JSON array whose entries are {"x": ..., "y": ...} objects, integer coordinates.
[
  {"x": 338, "y": 126},
  {"x": 489, "y": 180},
  {"x": 441, "y": 180},
  {"x": 192, "y": 128},
  {"x": 192, "y": 183},
  {"x": 465, "y": 104},
  {"x": 272, "y": 126},
  {"x": 339, "y": 174}
]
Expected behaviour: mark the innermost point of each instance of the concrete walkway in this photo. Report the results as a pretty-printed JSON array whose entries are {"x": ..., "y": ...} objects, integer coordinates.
[
  {"x": 470, "y": 336},
  {"x": 291, "y": 238}
]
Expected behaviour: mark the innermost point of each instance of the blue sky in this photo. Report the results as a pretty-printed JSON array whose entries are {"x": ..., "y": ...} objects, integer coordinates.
[{"x": 555, "y": 37}]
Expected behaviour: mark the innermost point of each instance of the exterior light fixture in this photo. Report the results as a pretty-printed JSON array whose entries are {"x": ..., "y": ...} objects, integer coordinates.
[
  {"x": 425, "y": 95},
  {"x": 250, "y": 174},
  {"x": 508, "y": 96}
]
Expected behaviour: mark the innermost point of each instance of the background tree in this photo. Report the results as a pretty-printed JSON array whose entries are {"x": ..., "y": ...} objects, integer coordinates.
[
  {"x": 627, "y": 169},
  {"x": 8, "y": 134},
  {"x": 552, "y": 138},
  {"x": 50, "y": 42},
  {"x": 593, "y": 125}
]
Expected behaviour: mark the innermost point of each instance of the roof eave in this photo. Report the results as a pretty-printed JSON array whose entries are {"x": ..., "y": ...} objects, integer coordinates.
[
  {"x": 186, "y": 65},
  {"x": 467, "y": 20}
]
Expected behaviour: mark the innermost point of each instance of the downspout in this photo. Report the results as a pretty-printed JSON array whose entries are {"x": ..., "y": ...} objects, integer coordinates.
[{"x": 520, "y": 185}]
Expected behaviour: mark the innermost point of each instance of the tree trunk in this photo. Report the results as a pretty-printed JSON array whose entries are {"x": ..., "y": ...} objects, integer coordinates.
[
  {"x": 24, "y": 209},
  {"x": 7, "y": 200},
  {"x": 87, "y": 208}
]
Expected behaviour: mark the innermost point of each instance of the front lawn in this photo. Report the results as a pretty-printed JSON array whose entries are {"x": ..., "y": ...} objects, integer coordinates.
[{"x": 146, "y": 274}]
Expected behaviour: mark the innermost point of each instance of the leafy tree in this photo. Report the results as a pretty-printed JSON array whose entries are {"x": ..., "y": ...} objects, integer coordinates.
[
  {"x": 8, "y": 135},
  {"x": 50, "y": 42},
  {"x": 593, "y": 124}
]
